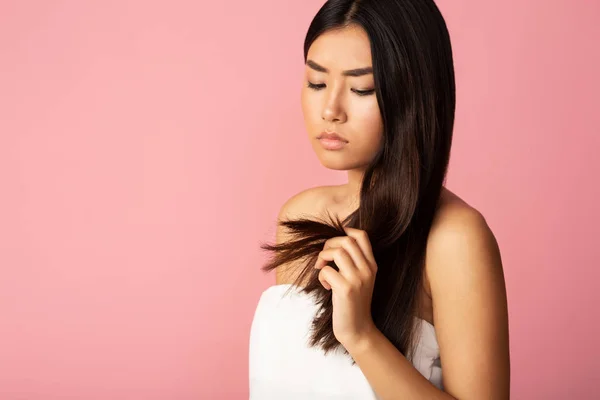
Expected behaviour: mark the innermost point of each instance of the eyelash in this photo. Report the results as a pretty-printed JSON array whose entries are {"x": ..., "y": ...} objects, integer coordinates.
[{"x": 358, "y": 92}]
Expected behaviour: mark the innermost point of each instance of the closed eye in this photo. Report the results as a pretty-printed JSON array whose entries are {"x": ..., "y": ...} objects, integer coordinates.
[
  {"x": 316, "y": 86},
  {"x": 319, "y": 86}
]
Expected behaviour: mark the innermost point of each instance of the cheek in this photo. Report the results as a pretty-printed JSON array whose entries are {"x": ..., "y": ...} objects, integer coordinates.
[
  {"x": 305, "y": 102},
  {"x": 310, "y": 106},
  {"x": 369, "y": 121}
]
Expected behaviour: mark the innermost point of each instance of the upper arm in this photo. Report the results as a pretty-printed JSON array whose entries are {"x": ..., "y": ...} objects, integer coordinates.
[
  {"x": 295, "y": 207},
  {"x": 470, "y": 313}
]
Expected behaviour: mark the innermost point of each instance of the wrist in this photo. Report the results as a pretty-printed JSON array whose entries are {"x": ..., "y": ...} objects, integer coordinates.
[{"x": 362, "y": 342}]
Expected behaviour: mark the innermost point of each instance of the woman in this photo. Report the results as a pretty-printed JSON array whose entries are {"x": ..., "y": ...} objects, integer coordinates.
[{"x": 389, "y": 286}]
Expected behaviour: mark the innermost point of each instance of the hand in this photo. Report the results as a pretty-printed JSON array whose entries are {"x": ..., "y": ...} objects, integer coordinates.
[{"x": 352, "y": 286}]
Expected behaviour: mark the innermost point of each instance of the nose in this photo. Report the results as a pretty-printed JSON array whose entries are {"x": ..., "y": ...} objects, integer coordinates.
[{"x": 334, "y": 110}]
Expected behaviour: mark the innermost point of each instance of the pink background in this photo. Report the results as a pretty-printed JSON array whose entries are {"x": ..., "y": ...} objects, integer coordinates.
[{"x": 145, "y": 149}]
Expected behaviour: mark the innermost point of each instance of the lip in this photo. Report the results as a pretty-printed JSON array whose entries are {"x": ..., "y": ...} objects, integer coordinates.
[
  {"x": 332, "y": 144},
  {"x": 331, "y": 136}
]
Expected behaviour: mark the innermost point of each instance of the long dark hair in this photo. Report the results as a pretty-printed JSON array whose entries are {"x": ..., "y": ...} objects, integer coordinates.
[{"x": 414, "y": 80}]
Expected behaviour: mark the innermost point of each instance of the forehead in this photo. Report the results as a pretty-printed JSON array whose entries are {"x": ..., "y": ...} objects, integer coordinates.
[{"x": 342, "y": 49}]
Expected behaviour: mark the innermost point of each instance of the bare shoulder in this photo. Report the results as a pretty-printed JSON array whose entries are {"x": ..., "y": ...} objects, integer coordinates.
[
  {"x": 305, "y": 204},
  {"x": 458, "y": 231},
  {"x": 458, "y": 227},
  {"x": 465, "y": 275},
  {"x": 302, "y": 204}
]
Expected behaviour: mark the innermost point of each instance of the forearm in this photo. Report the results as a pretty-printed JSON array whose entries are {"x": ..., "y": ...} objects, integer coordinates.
[{"x": 389, "y": 373}]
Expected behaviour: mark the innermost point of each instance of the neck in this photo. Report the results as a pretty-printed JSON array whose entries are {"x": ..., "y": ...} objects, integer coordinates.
[{"x": 352, "y": 187}]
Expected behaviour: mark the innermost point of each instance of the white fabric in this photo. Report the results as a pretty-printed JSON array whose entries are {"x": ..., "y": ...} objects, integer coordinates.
[{"x": 283, "y": 366}]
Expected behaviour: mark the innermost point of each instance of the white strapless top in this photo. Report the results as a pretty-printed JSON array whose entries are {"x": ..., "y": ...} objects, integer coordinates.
[{"x": 283, "y": 366}]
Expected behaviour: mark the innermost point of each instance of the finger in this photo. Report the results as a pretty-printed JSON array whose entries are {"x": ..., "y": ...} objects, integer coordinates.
[
  {"x": 362, "y": 239},
  {"x": 331, "y": 279},
  {"x": 351, "y": 245},
  {"x": 343, "y": 261}
]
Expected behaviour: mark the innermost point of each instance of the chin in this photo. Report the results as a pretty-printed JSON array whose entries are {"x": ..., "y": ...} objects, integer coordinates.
[
  {"x": 335, "y": 168},
  {"x": 337, "y": 165}
]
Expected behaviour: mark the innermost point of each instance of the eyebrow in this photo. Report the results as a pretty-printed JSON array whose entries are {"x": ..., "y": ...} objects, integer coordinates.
[{"x": 351, "y": 72}]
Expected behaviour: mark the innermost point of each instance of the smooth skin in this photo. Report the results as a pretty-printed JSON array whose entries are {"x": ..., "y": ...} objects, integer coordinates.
[{"x": 464, "y": 293}]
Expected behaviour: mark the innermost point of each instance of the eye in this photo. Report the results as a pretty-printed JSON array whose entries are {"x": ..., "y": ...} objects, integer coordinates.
[
  {"x": 319, "y": 86},
  {"x": 315, "y": 86},
  {"x": 363, "y": 92}
]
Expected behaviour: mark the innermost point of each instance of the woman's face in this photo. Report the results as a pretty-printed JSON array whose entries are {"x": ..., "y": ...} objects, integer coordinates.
[{"x": 337, "y": 99}]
